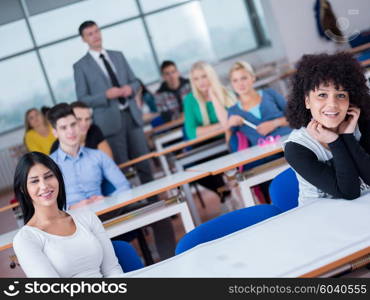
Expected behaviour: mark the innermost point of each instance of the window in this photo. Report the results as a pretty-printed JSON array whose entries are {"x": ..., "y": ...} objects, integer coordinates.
[
  {"x": 22, "y": 87},
  {"x": 150, "y": 5},
  {"x": 130, "y": 38},
  {"x": 40, "y": 42},
  {"x": 229, "y": 27},
  {"x": 185, "y": 39},
  {"x": 64, "y": 22},
  {"x": 58, "y": 60},
  {"x": 14, "y": 38}
]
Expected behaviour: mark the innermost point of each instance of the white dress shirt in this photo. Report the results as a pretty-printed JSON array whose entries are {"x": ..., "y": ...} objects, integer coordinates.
[{"x": 99, "y": 61}]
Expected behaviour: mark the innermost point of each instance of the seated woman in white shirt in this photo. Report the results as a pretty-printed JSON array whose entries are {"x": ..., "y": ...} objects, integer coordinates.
[{"x": 55, "y": 243}]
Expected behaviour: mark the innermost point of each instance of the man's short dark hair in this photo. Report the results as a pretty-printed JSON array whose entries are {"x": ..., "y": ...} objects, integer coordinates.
[
  {"x": 85, "y": 25},
  {"x": 44, "y": 110},
  {"x": 166, "y": 64},
  {"x": 79, "y": 104},
  {"x": 59, "y": 111}
]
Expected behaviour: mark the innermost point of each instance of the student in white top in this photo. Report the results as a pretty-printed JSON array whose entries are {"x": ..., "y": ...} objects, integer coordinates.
[{"x": 55, "y": 243}]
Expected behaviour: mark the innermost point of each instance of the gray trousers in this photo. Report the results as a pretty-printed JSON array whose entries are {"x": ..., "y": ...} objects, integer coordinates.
[{"x": 128, "y": 144}]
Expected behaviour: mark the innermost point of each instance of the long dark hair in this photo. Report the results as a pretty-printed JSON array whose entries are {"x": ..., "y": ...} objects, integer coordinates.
[{"x": 20, "y": 182}]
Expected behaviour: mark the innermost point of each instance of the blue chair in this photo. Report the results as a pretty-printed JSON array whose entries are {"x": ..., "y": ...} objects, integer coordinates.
[
  {"x": 239, "y": 137},
  {"x": 226, "y": 224},
  {"x": 284, "y": 190},
  {"x": 127, "y": 256},
  {"x": 157, "y": 121}
]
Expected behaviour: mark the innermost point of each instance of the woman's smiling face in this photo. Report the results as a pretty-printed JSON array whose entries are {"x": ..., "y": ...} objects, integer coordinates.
[
  {"x": 328, "y": 105},
  {"x": 42, "y": 186}
]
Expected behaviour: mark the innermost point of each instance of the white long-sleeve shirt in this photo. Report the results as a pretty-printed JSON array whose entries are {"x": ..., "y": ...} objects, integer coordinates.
[{"x": 88, "y": 252}]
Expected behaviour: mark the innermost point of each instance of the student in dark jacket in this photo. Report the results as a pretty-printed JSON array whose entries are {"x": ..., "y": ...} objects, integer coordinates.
[{"x": 171, "y": 93}]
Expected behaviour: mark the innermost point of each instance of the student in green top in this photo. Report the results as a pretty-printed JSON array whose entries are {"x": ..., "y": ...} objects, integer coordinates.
[
  {"x": 202, "y": 116},
  {"x": 205, "y": 107}
]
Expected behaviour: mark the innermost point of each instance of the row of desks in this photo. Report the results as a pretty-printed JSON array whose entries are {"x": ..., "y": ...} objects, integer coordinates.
[
  {"x": 308, "y": 241},
  {"x": 162, "y": 151},
  {"x": 170, "y": 182}
]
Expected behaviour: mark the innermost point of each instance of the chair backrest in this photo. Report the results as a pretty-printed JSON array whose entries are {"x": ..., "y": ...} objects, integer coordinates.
[
  {"x": 127, "y": 256},
  {"x": 238, "y": 141},
  {"x": 284, "y": 190},
  {"x": 157, "y": 121},
  {"x": 107, "y": 187},
  {"x": 226, "y": 224}
]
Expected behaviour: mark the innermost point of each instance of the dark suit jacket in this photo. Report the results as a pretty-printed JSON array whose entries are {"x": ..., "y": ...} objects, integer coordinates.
[{"x": 91, "y": 85}]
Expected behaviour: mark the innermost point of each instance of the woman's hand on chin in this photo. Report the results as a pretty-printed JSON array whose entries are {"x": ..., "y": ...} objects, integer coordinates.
[
  {"x": 320, "y": 133},
  {"x": 349, "y": 125}
]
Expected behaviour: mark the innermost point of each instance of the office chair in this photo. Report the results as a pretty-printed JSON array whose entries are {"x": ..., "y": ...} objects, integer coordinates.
[
  {"x": 127, "y": 256},
  {"x": 226, "y": 224},
  {"x": 284, "y": 190}
]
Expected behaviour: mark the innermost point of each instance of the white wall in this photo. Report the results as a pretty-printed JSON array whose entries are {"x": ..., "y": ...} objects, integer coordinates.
[{"x": 296, "y": 24}]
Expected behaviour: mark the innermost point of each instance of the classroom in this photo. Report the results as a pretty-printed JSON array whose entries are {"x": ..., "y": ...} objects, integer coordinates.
[{"x": 185, "y": 139}]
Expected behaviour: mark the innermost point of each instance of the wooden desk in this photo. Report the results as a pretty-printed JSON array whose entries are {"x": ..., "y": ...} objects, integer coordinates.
[
  {"x": 365, "y": 63},
  {"x": 169, "y": 125},
  {"x": 359, "y": 48},
  {"x": 137, "y": 160},
  {"x": 236, "y": 159},
  {"x": 173, "y": 135},
  {"x": 161, "y": 140},
  {"x": 304, "y": 242},
  {"x": 182, "y": 145},
  {"x": 147, "y": 190}
]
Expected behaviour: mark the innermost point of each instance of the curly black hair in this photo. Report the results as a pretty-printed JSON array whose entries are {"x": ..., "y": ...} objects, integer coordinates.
[{"x": 340, "y": 69}]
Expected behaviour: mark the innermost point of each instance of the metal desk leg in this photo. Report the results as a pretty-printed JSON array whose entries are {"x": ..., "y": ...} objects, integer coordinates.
[
  {"x": 246, "y": 192},
  {"x": 187, "y": 221},
  {"x": 165, "y": 165},
  {"x": 192, "y": 207}
]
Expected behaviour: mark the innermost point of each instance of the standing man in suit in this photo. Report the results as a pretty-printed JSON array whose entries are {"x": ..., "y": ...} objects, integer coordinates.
[{"x": 105, "y": 82}]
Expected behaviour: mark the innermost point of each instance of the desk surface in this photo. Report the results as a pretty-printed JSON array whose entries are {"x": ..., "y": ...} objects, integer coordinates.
[
  {"x": 233, "y": 160},
  {"x": 136, "y": 194},
  {"x": 308, "y": 239},
  {"x": 145, "y": 190},
  {"x": 185, "y": 144},
  {"x": 136, "y": 160},
  {"x": 169, "y": 125}
]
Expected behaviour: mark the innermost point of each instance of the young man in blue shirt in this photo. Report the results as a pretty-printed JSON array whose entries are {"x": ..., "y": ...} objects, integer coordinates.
[{"x": 84, "y": 170}]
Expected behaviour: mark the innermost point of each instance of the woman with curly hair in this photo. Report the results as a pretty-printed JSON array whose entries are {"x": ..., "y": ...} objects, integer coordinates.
[{"x": 329, "y": 107}]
